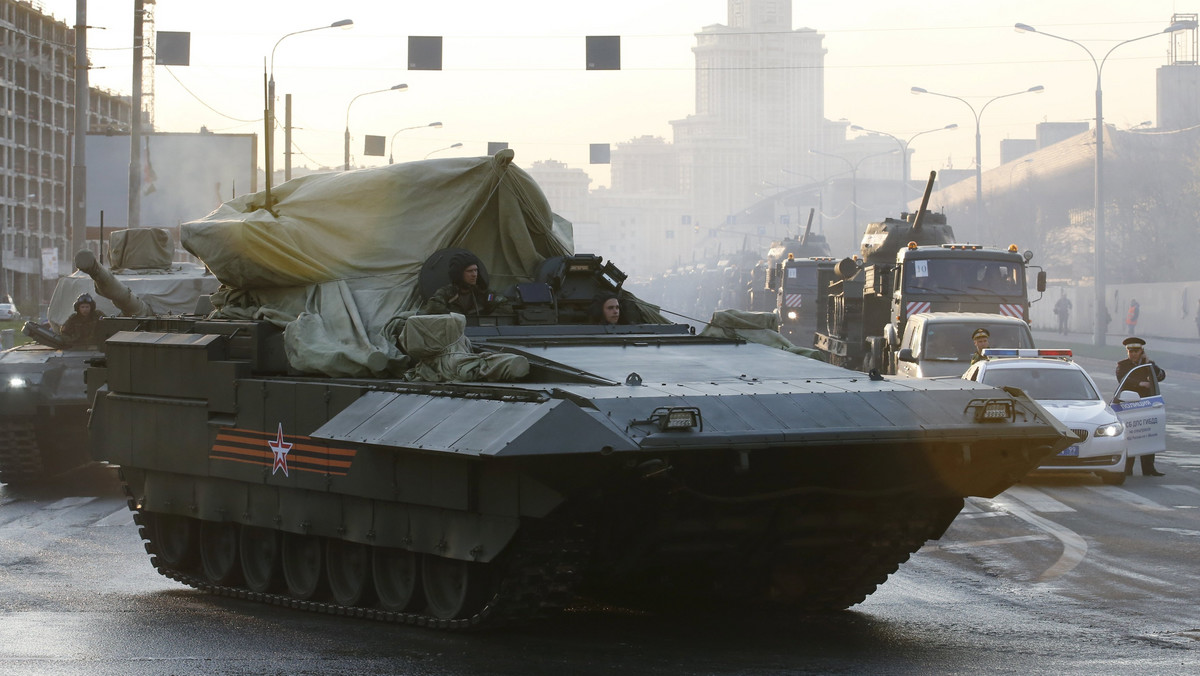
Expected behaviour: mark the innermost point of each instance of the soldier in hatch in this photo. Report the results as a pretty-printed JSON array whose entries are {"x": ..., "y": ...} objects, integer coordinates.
[
  {"x": 466, "y": 293},
  {"x": 82, "y": 328}
]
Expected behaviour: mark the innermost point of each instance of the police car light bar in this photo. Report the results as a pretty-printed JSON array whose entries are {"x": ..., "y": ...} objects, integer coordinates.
[{"x": 1026, "y": 352}]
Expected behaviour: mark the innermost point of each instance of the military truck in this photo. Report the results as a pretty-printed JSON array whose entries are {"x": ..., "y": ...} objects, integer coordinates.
[
  {"x": 43, "y": 400},
  {"x": 797, "y": 273},
  {"x": 910, "y": 265},
  {"x": 336, "y": 451}
]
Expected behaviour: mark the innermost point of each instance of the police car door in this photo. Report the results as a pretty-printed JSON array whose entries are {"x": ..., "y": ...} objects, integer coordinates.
[{"x": 1145, "y": 420}]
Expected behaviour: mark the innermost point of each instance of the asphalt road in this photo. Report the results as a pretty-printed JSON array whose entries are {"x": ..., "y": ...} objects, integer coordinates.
[{"x": 1058, "y": 575}]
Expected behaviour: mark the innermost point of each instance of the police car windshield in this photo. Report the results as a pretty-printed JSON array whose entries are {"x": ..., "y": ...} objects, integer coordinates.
[
  {"x": 1043, "y": 384},
  {"x": 972, "y": 276}
]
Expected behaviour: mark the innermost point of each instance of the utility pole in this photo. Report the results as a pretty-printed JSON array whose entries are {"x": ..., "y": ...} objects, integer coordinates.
[
  {"x": 79, "y": 168},
  {"x": 135, "y": 122}
]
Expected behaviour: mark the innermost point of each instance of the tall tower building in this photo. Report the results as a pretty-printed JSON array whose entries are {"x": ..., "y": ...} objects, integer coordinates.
[{"x": 759, "y": 107}]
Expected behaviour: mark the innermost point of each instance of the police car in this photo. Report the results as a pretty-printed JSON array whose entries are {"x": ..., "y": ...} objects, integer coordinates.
[{"x": 1107, "y": 432}]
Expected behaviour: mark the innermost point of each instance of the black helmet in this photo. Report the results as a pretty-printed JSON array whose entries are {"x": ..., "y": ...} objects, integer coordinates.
[{"x": 85, "y": 298}]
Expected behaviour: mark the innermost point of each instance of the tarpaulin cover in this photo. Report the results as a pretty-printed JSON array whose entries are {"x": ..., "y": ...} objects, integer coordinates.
[
  {"x": 339, "y": 254},
  {"x": 443, "y": 352},
  {"x": 753, "y": 327},
  {"x": 140, "y": 248}
]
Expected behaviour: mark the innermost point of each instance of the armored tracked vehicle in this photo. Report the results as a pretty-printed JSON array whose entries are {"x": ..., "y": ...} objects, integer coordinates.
[
  {"x": 43, "y": 400},
  {"x": 458, "y": 471}
]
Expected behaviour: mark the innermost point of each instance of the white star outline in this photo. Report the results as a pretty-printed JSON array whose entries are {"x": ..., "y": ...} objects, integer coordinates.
[{"x": 280, "y": 448}]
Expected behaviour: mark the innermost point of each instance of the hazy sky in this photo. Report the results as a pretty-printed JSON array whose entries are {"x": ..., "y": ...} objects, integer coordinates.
[{"x": 513, "y": 71}]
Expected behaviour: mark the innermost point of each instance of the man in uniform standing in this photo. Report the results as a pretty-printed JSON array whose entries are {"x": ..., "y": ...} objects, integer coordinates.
[{"x": 1136, "y": 350}]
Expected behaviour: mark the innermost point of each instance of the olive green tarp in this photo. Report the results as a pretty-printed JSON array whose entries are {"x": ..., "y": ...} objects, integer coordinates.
[
  {"x": 339, "y": 254},
  {"x": 753, "y": 327}
]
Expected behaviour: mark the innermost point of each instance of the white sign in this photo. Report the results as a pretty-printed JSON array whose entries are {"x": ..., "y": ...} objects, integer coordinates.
[{"x": 50, "y": 263}]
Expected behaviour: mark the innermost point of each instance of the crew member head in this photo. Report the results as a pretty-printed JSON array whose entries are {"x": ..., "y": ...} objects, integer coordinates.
[
  {"x": 610, "y": 310},
  {"x": 465, "y": 272},
  {"x": 1134, "y": 347},
  {"x": 980, "y": 337},
  {"x": 85, "y": 304}
]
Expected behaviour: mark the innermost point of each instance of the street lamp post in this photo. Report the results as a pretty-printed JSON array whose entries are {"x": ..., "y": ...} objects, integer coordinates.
[
  {"x": 853, "y": 181},
  {"x": 392, "y": 145},
  {"x": 904, "y": 149},
  {"x": 399, "y": 87},
  {"x": 269, "y": 142},
  {"x": 978, "y": 143},
  {"x": 456, "y": 145},
  {"x": 1101, "y": 324}
]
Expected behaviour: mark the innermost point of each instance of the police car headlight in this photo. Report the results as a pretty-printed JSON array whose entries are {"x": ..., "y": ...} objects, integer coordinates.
[
  {"x": 1110, "y": 430},
  {"x": 792, "y": 314},
  {"x": 17, "y": 382}
]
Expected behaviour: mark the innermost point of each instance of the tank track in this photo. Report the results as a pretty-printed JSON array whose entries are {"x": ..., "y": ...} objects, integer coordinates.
[
  {"x": 848, "y": 575},
  {"x": 539, "y": 578},
  {"x": 20, "y": 455}
]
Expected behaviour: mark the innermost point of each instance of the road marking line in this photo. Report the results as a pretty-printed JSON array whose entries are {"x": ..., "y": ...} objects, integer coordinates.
[
  {"x": 1074, "y": 546},
  {"x": 1036, "y": 500},
  {"x": 1185, "y": 489},
  {"x": 1129, "y": 497},
  {"x": 67, "y": 503},
  {"x": 121, "y": 517},
  {"x": 980, "y": 515},
  {"x": 953, "y": 546},
  {"x": 1179, "y": 531}
]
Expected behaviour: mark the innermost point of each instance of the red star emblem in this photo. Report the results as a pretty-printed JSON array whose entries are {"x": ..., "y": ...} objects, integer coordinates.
[{"x": 280, "y": 448}]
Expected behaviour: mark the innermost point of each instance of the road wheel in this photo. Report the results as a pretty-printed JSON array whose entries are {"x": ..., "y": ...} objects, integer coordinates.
[
  {"x": 1113, "y": 478},
  {"x": 259, "y": 551},
  {"x": 219, "y": 551},
  {"x": 397, "y": 586},
  {"x": 348, "y": 569},
  {"x": 302, "y": 565},
  {"x": 174, "y": 540},
  {"x": 454, "y": 589}
]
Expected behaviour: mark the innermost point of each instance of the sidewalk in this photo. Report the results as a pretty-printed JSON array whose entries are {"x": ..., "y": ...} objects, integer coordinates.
[{"x": 1169, "y": 353}]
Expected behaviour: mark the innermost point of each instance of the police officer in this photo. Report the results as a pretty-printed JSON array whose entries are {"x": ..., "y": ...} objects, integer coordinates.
[
  {"x": 82, "y": 328},
  {"x": 1136, "y": 356},
  {"x": 980, "y": 337}
]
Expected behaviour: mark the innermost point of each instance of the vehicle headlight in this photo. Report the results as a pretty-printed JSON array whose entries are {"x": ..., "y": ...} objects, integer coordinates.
[
  {"x": 792, "y": 314},
  {"x": 1110, "y": 430},
  {"x": 17, "y": 382}
]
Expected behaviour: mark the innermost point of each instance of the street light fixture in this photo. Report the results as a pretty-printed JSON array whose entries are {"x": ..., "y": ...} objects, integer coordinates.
[
  {"x": 270, "y": 140},
  {"x": 456, "y": 145},
  {"x": 399, "y": 87},
  {"x": 904, "y": 149},
  {"x": 853, "y": 182},
  {"x": 435, "y": 125},
  {"x": 984, "y": 230},
  {"x": 1101, "y": 324}
]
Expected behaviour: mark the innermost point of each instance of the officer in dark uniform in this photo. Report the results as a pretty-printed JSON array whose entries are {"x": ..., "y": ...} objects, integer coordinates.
[
  {"x": 980, "y": 337},
  {"x": 1136, "y": 350},
  {"x": 82, "y": 328},
  {"x": 467, "y": 292}
]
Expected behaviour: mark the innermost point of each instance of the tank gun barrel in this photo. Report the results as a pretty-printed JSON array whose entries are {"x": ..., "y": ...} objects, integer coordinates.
[
  {"x": 924, "y": 203},
  {"x": 807, "y": 228},
  {"x": 107, "y": 285}
]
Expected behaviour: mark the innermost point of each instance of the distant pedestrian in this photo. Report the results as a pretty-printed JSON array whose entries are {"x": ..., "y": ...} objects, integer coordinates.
[
  {"x": 1062, "y": 309},
  {"x": 1198, "y": 319},
  {"x": 1131, "y": 317},
  {"x": 1136, "y": 356}
]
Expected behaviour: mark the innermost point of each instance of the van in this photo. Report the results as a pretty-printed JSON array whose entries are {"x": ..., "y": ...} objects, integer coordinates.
[{"x": 940, "y": 344}]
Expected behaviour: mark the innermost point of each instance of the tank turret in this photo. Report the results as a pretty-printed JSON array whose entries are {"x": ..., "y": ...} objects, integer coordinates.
[{"x": 107, "y": 285}]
